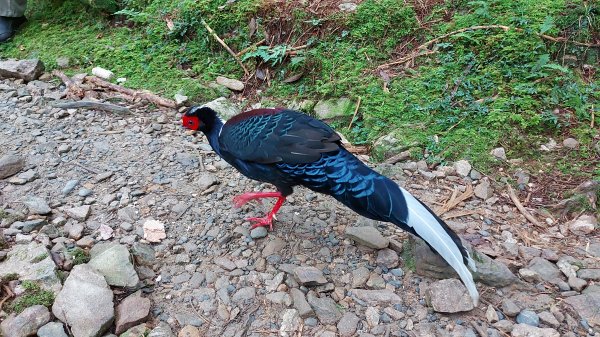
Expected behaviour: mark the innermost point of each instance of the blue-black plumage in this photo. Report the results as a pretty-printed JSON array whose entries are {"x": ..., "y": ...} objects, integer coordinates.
[{"x": 287, "y": 148}]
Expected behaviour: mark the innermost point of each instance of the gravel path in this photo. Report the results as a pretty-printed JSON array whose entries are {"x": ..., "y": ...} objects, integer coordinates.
[{"x": 96, "y": 180}]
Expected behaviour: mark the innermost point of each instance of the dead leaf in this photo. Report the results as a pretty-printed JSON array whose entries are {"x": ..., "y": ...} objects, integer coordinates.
[
  {"x": 252, "y": 25},
  {"x": 293, "y": 78},
  {"x": 170, "y": 24}
]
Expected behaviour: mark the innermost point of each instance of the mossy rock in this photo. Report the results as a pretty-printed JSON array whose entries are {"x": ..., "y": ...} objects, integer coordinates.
[{"x": 334, "y": 107}]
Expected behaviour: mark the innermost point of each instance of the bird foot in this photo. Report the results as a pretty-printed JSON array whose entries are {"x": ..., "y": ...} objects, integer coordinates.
[
  {"x": 241, "y": 200},
  {"x": 262, "y": 222}
]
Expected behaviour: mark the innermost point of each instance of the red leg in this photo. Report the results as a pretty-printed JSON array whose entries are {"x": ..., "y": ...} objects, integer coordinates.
[
  {"x": 268, "y": 220},
  {"x": 240, "y": 200}
]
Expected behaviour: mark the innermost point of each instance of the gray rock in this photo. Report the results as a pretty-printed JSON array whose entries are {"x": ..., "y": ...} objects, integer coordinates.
[
  {"x": 586, "y": 305},
  {"x": 510, "y": 308},
  {"x": 258, "y": 232},
  {"x": 499, "y": 153},
  {"x": 368, "y": 236},
  {"x": 546, "y": 269},
  {"x": 462, "y": 167},
  {"x": 484, "y": 190},
  {"x": 206, "y": 180},
  {"x": 244, "y": 294},
  {"x": 74, "y": 230},
  {"x": 376, "y": 297},
  {"x": 524, "y": 330},
  {"x": 576, "y": 283},
  {"x": 309, "y": 276},
  {"x": 325, "y": 308},
  {"x": 85, "y": 303},
  {"x": 347, "y": 7},
  {"x": 290, "y": 323},
  {"x": 79, "y": 213},
  {"x": 528, "y": 317},
  {"x": 225, "y": 108},
  {"x": 26, "y": 323},
  {"x": 31, "y": 225},
  {"x": 32, "y": 262},
  {"x": 387, "y": 258},
  {"x": 360, "y": 276},
  {"x": 69, "y": 186},
  {"x": 113, "y": 261},
  {"x": 52, "y": 329},
  {"x": 583, "y": 225},
  {"x": 132, "y": 311},
  {"x": 348, "y": 324},
  {"x": 504, "y": 325},
  {"x": 10, "y": 165},
  {"x": 300, "y": 303},
  {"x": 225, "y": 263},
  {"x": 129, "y": 214},
  {"x": 230, "y": 83},
  {"x": 279, "y": 297},
  {"x": 570, "y": 143},
  {"x": 449, "y": 296},
  {"x": 27, "y": 70},
  {"x": 143, "y": 253},
  {"x": 273, "y": 247},
  {"x": 37, "y": 205},
  {"x": 489, "y": 271},
  {"x": 161, "y": 330},
  {"x": 180, "y": 99},
  {"x": 334, "y": 107},
  {"x": 491, "y": 315},
  {"x": 546, "y": 317},
  {"x": 589, "y": 274}
]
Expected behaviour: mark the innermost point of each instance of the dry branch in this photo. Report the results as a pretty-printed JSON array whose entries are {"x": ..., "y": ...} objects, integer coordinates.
[
  {"x": 72, "y": 88},
  {"x": 108, "y": 107},
  {"x": 355, "y": 112},
  {"x": 522, "y": 209},
  {"x": 455, "y": 199},
  {"x": 148, "y": 96},
  {"x": 237, "y": 59},
  {"x": 418, "y": 52}
]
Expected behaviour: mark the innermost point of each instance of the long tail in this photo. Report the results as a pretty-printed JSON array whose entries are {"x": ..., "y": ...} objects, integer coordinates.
[
  {"x": 441, "y": 238},
  {"x": 390, "y": 202},
  {"x": 372, "y": 195}
]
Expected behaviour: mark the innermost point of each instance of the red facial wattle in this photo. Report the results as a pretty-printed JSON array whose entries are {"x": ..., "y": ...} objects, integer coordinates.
[{"x": 190, "y": 122}]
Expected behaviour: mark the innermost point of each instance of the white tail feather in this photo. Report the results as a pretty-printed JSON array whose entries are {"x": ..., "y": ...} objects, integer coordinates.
[{"x": 428, "y": 228}]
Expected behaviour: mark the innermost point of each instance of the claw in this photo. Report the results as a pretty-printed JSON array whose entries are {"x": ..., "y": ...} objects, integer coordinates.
[{"x": 261, "y": 222}]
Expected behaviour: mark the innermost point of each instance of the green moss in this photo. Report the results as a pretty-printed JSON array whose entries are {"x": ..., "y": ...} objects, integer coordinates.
[
  {"x": 79, "y": 256},
  {"x": 9, "y": 277},
  {"x": 479, "y": 89},
  {"x": 33, "y": 295},
  {"x": 39, "y": 258},
  {"x": 408, "y": 256}
]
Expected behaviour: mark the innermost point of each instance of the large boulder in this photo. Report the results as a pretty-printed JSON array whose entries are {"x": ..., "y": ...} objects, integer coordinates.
[
  {"x": 85, "y": 303},
  {"x": 32, "y": 262}
]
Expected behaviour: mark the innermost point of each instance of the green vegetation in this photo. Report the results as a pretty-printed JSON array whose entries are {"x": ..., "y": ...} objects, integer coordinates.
[
  {"x": 79, "y": 256},
  {"x": 476, "y": 89},
  {"x": 408, "y": 256},
  {"x": 39, "y": 258},
  {"x": 33, "y": 295}
]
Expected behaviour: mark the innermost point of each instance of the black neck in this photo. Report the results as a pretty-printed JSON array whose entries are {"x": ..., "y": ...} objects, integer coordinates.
[{"x": 213, "y": 135}]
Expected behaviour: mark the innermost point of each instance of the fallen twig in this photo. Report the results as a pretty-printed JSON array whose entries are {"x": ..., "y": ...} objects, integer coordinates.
[
  {"x": 455, "y": 199},
  {"x": 84, "y": 167},
  {"x": 247, "y": 49},
  {"x": 72, "y": 87},
  {"x": 459, "y": 214},
  {"x": 520, "y": 207},
  {"x": 108, "y": 107},
  {"x": 212, "y": 32},
  {"x": 355, "y": 112},
  {"x": 418, "y": 52},
  {"x": 150, "y": 97},
  {"x": 9, "y": 294}
]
